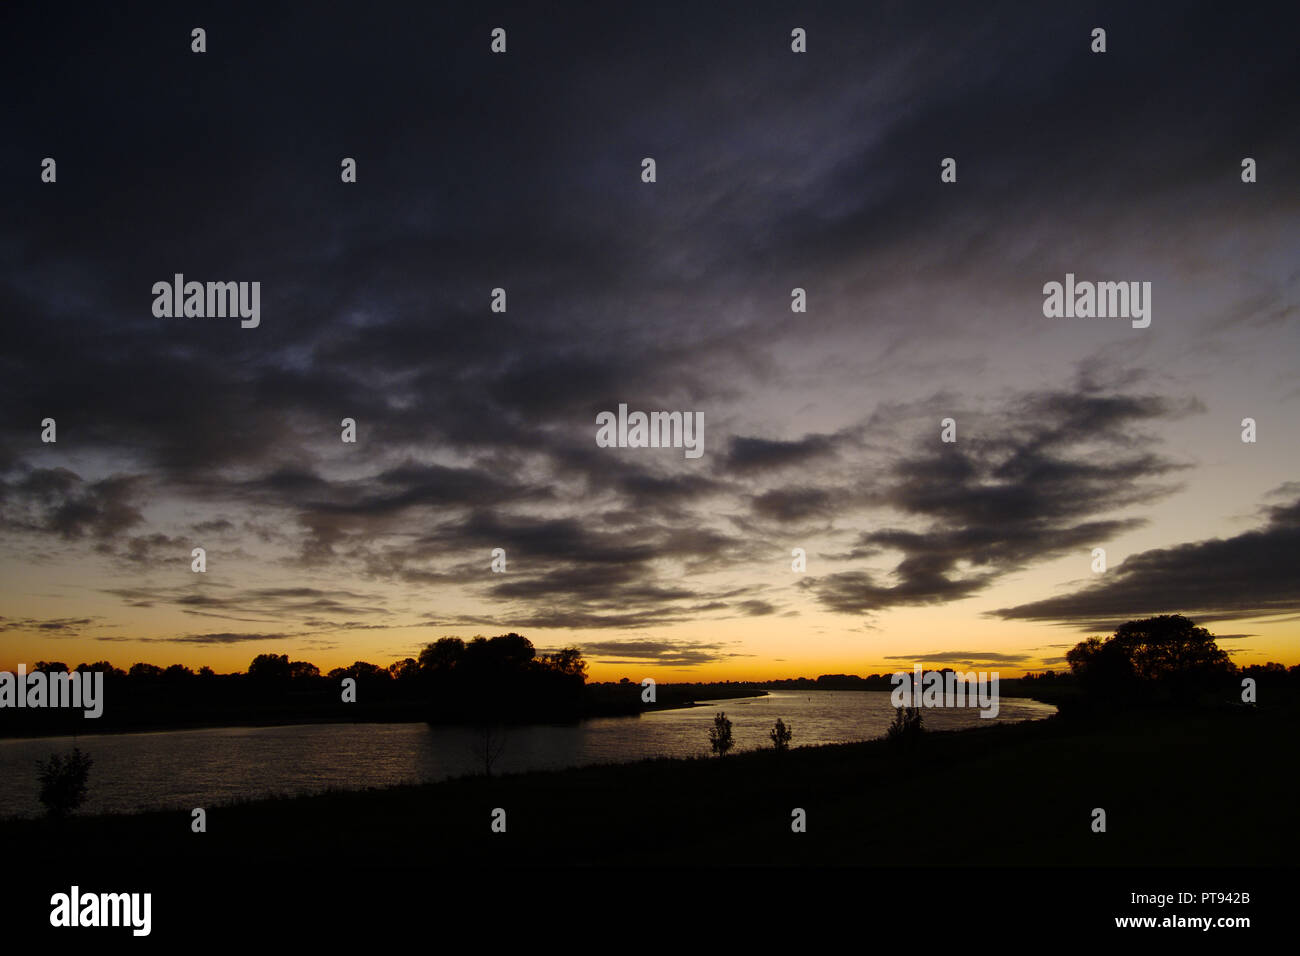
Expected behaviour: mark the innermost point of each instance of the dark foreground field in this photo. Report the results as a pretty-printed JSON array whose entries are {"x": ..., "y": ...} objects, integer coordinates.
[{"x": 1178, "y": 788}]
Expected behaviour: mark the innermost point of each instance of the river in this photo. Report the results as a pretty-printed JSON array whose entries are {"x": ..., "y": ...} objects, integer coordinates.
[{"x": 205, "y": 768}]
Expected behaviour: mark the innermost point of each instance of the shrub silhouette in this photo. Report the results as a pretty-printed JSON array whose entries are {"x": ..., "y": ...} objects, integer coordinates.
[
  {"x": 489, "y": 744},
  {"x": 780, "y": 736},
  {"x": 906, "y": 726},
  {"x": 720, "y": 734},
  {"x": 63, "y": 782}
]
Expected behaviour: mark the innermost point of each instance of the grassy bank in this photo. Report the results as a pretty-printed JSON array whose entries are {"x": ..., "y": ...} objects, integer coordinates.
[{"x": 1177, "y": 787}]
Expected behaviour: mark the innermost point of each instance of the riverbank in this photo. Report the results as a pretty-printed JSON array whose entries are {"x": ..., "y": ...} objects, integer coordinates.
[{"x": 1200, "y": 787}]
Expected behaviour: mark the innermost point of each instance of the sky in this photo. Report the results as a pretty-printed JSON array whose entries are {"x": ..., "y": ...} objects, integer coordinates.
[{"x": 476, "y": 429}]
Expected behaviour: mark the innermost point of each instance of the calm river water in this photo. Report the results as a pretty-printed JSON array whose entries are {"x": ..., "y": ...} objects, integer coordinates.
[{"x": 193, "y": 768}]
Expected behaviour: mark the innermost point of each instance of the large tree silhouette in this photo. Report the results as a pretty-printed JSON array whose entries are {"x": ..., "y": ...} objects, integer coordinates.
[{"x": 1169, "y": 650}]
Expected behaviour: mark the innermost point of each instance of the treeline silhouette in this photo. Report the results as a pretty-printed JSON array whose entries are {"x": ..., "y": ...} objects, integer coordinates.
[
  {"x": 876, "y": 682},
  {"x": 486, "y": 680},
  {"x": 500, "y": 679}
]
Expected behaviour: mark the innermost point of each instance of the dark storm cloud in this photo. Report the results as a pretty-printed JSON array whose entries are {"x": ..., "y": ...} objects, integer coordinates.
[
  {"x": 410, "y": 484},
  {"x": 380, "y": 312},
  {"x": 794, "y": 504},
  {"x": 251, "y": 603},
  {"x": 858, "y": 592},
  {"x": 217, "y": 638},
  {"x": 576, "y": 617},
  {"x": 1249, "y": 575},
  {"x": 1028, "y": 483},
  {"x": 64, "y": 626},
  {"x": 665, "y": 653},
  {"x": 756, "y": 454},
  {"x": 156, "y": 549},
  {"x": 58, "y": 501},
  {"x": 614, "y": 595},
  {"x": 574, "y": 572},
  {"x": 645, "y": 490},
  {"x": 547, "y": 541},
  {"x": 216, "y": 526},
  {"x": 320, "y": 624},
  {"x": 965, "y": 658},
  {"x": 521, "y": 172},
  {"x": 617, "y": 584}
]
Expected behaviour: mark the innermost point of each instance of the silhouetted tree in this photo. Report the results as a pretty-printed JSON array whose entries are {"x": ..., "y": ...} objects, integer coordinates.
[
  {"x": 303, "y": 670},
  {"x": 362, "y": 671},
  {"x": 442, "y": 655},
  {"x": 780, "y": 735},
  {"x": 269, "y": 668},
  {"x": 1103, "y": 668},
  {"x": 487, "y": 659},
  {"x": 1170, "y": 646},
  {"x": 63, "y": 782},
  {"x": 511, "y": 651},
  {"x": 720, "y": 735},
  {"x": 403, "y": 670},
  {"x": 1168, "y": 649},
  {"x": 567, "y": 661},
  {"x": 104, "y": 667}
]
